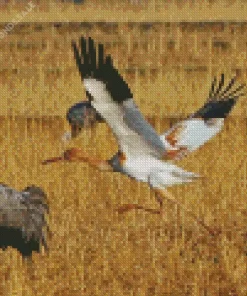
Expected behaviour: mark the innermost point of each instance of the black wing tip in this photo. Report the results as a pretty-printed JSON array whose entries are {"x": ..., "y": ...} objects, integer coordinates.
[
  {"x": 215, "y": 109},
  {"x": 220, "y": 101},
  {"x": 219, "y": 88},
  {"x": 90, "y": 39},
  {"x": 100, "y": 67},
  {"x": 224, "y": 94},
  {"x": 108, "y": 60},
  {"x": 86, "y": 58},
  {"x": 86, "y": 40},
  {"x": 74, "y": 46}
]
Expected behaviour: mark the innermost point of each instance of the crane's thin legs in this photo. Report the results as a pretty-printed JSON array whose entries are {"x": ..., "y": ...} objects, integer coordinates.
[
  {"x": 128, "y": 207},
  {"x": 78, "y": 155},
  {"x": 160, "y": 201},
  {"x": 163, "y": 193}
]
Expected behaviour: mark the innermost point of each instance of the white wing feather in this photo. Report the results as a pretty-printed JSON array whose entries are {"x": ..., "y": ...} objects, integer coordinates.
[
  {"x": 130, "y": 139},
  {"x": 111, "y": 97},
  {"x": 191, "y": 133}
]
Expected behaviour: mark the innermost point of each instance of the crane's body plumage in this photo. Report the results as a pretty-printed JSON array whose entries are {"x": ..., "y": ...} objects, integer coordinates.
[
  {"x": 159, "y": 174},
  {"x": 133, "y": 133},
  {"x": 23, "y": 222},
  {"x": 141, "y": 149}
]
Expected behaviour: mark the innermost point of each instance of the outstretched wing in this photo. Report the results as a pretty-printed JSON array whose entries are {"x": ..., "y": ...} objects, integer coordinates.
[
  {"x": 22, "y": 219},
  {"x": 188, "y": 135},
  {"x": 111, "y": 97}
]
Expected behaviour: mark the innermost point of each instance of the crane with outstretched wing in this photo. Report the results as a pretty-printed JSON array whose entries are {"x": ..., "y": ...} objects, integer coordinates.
[{"x": 143, "y": 154}]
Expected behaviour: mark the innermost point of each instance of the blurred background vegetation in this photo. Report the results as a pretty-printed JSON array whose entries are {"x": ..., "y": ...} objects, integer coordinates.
[
  {"x": 169, "y": 66},
  {"x": 126, "y": 10}
]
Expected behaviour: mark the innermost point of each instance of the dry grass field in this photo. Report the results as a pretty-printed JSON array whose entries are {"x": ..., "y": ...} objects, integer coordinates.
[
  {"x": 93, "y": 251},
  {"x": 124, "y": 10},
  {"x": 166, "y": 65}
]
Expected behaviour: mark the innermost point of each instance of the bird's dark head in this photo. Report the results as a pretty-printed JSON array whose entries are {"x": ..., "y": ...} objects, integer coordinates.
[{"x": 82, "y": 115}]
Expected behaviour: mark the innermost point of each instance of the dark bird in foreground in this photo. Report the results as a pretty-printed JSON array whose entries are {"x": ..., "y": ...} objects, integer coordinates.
[
  {"x": 23, "y": 219},
  {"x": 142, "y": 153}
]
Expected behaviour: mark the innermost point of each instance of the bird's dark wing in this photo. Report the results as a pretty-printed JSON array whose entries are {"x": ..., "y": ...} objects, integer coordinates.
[
  {"x": 23, "y": 218},
  {"x": 220, "y": 100},
  {"x": 94, "y": 64},
  {"x": 201, "y": 126},
  {"x": 112, "y": 98}
]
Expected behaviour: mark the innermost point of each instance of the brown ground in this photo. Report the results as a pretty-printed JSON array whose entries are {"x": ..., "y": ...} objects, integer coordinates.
[{"x": 93, "y": 250}]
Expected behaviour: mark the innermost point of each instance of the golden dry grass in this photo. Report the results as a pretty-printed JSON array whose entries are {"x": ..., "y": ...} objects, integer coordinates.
[
  {"x": 169, "y": 67},
  {"x": 93, "y": 250},
  {"x": 125, "y": 10}
]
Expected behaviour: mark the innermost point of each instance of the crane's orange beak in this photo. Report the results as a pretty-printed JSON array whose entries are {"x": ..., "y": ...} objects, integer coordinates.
[{"x": 73, "y": 154}]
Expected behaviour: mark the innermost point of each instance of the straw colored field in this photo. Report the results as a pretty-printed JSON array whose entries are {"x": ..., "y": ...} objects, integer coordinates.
[
  {"x": 169, "y": 67},
  {"x": 124, "y": 10},
  {"x": 95, "y": 251}
]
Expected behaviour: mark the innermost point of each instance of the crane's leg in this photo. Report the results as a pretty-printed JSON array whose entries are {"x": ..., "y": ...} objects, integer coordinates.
[
  {"x": 163, "y": 193},
  {"x": 128, "y": 207},
  {"x": 77, "y": 155}
]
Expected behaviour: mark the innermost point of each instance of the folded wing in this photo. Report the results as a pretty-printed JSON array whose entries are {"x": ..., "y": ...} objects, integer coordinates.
[{"x": 23, "y": 219}]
